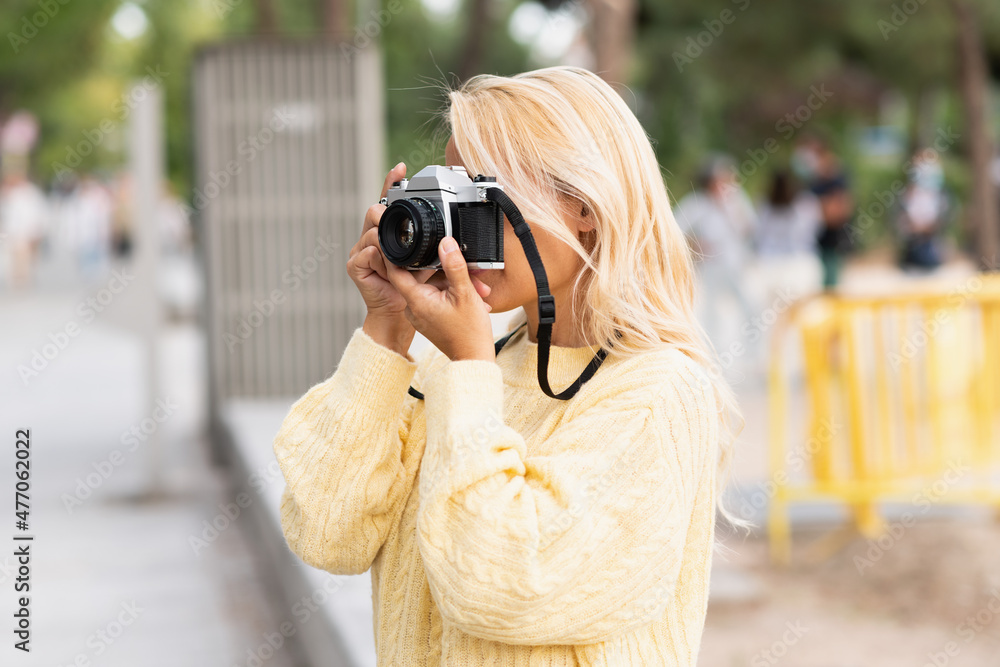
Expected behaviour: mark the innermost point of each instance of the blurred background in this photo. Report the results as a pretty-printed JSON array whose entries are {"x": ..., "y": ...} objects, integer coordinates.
[{"x": 182, "y": 181}]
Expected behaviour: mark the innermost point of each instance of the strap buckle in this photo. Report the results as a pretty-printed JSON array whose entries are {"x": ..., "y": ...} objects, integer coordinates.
[{"x": 546, "y": 309}]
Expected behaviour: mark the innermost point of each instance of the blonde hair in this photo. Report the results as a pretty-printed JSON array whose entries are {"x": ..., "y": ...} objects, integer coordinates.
[{"x": 561, "y": 139}]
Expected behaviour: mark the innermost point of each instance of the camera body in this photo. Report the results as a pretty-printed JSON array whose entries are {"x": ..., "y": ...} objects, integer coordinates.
[{"x": 437, "y": 202}]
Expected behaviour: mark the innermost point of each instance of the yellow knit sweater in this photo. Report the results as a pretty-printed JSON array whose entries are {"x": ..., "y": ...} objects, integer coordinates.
[{"x": 503, "y": 527}]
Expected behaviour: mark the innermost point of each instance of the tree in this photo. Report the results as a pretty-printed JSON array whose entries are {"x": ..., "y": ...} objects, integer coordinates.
[
  {"x": 267, "y": 17},
  {"x": 336, "y": 18},
  {"x": 612, "y": 28},
  {"x": 33, "y": 59},
  {"x": 983, "y": 218},
  {"x": 477, "y": 32}
]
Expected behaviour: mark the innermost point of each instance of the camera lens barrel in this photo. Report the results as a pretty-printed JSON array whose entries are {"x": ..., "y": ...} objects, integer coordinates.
[{"x": 409, "y": 232}]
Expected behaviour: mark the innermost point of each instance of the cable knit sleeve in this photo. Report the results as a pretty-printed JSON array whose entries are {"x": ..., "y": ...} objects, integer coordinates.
[
  {"x": 581, "y": 539},
  {"x": 341, "y": 452}
]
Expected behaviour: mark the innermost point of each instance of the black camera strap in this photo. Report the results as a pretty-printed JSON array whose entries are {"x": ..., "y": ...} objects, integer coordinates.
[
  {"x": 546, "y": 305},
  {"x": 497, "y": 346}
]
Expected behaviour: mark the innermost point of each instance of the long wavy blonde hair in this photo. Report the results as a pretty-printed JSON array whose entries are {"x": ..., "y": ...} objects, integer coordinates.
[{"x": 561, "y": 139}]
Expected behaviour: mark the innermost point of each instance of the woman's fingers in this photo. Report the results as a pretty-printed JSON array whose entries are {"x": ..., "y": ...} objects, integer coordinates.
[
  {"x": 363, "y": 263},
  {"x": 423, "y": 275},
  {"x": 395, "y": 174},
  {"x": 370, "y": 238},
  {"x": 378, "y": 264},
  {"x": 455, "y": 268},
  {"x": 404, "y": 281},
  {"x": 372, "y": 217},
  {"x": 439, "y": 280},
  {"x": 481, "y": 288},
  {"x": 374, "y": 213},
  {"x": 367, "y": 240}
]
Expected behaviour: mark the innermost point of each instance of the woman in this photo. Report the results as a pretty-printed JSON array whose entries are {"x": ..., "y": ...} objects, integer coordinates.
[
  {"x": 719, "y": 220},
  {"x": 502, "y": 526},
  {"x": 787, "y": 228}
]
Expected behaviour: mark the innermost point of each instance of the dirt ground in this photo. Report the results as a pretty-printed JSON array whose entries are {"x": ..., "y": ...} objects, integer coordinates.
[{"x": 929, "y": 597}]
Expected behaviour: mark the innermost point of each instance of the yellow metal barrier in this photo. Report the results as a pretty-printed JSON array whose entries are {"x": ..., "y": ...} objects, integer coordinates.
[{"x": 901, "y": 403}]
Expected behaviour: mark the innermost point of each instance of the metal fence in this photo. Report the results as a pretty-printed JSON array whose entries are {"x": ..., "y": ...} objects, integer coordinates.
[
  {"x": 289, "y": 149},
  {"x": 903, "y": 405}
]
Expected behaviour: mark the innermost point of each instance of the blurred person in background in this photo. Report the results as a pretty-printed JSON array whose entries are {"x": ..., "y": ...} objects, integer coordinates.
[
  {"x": 788, "y": 223},
  {"x": 719, "y": 221},
  {"x": 121, "y": 216},
  {"x": 175, "y": 225},
  {"x": 922, "y": 213},
  {"x": 85, "y": 218},
  {"x": 23, "y": 222},
  {"x": 821, "y": 170}
]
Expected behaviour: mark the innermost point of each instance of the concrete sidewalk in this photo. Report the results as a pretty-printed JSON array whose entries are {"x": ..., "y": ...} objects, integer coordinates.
[{"x": 115, "y": 578}]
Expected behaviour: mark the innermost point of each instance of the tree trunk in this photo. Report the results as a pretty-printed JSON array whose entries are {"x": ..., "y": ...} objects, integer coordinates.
[
  {"x": 336, "y": 20},
  {"x": 984, "y": 217},
  {"x": 476, "y": 34},
  {"x": 612, "y": 26},
  {"x": 267, "y": 17}
]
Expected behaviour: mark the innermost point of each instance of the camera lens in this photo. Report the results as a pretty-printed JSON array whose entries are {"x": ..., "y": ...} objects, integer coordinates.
[
  {"x": 406, "y": 233},
  {"x": 409, "y": 232}
]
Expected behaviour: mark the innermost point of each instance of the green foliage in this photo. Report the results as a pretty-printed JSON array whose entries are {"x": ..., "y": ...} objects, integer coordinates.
[
  {"x": 76, "y": 74},
  {"x": 421, "y": 58},
  {"x": 722, "y": 74},
  {"x": 708, "y": 74}
]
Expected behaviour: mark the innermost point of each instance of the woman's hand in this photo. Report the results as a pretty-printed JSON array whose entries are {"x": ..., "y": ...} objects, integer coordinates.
[
  {"x": 451, "y": 313},
  {"x": 367, "y": 265},
  {"x": 385, "y": 321}
]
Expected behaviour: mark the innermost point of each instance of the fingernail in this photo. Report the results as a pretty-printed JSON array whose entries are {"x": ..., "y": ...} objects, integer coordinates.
[
  {"x": 448, "y": 245},
  {"x": 489, "y": 308},
  {"x": 399, "y": 165}
]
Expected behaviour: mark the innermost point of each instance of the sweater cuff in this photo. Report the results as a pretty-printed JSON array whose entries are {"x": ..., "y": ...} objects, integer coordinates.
[
  {"x": 375, "y": 374},
  {"x": 464, "y": 401}
]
